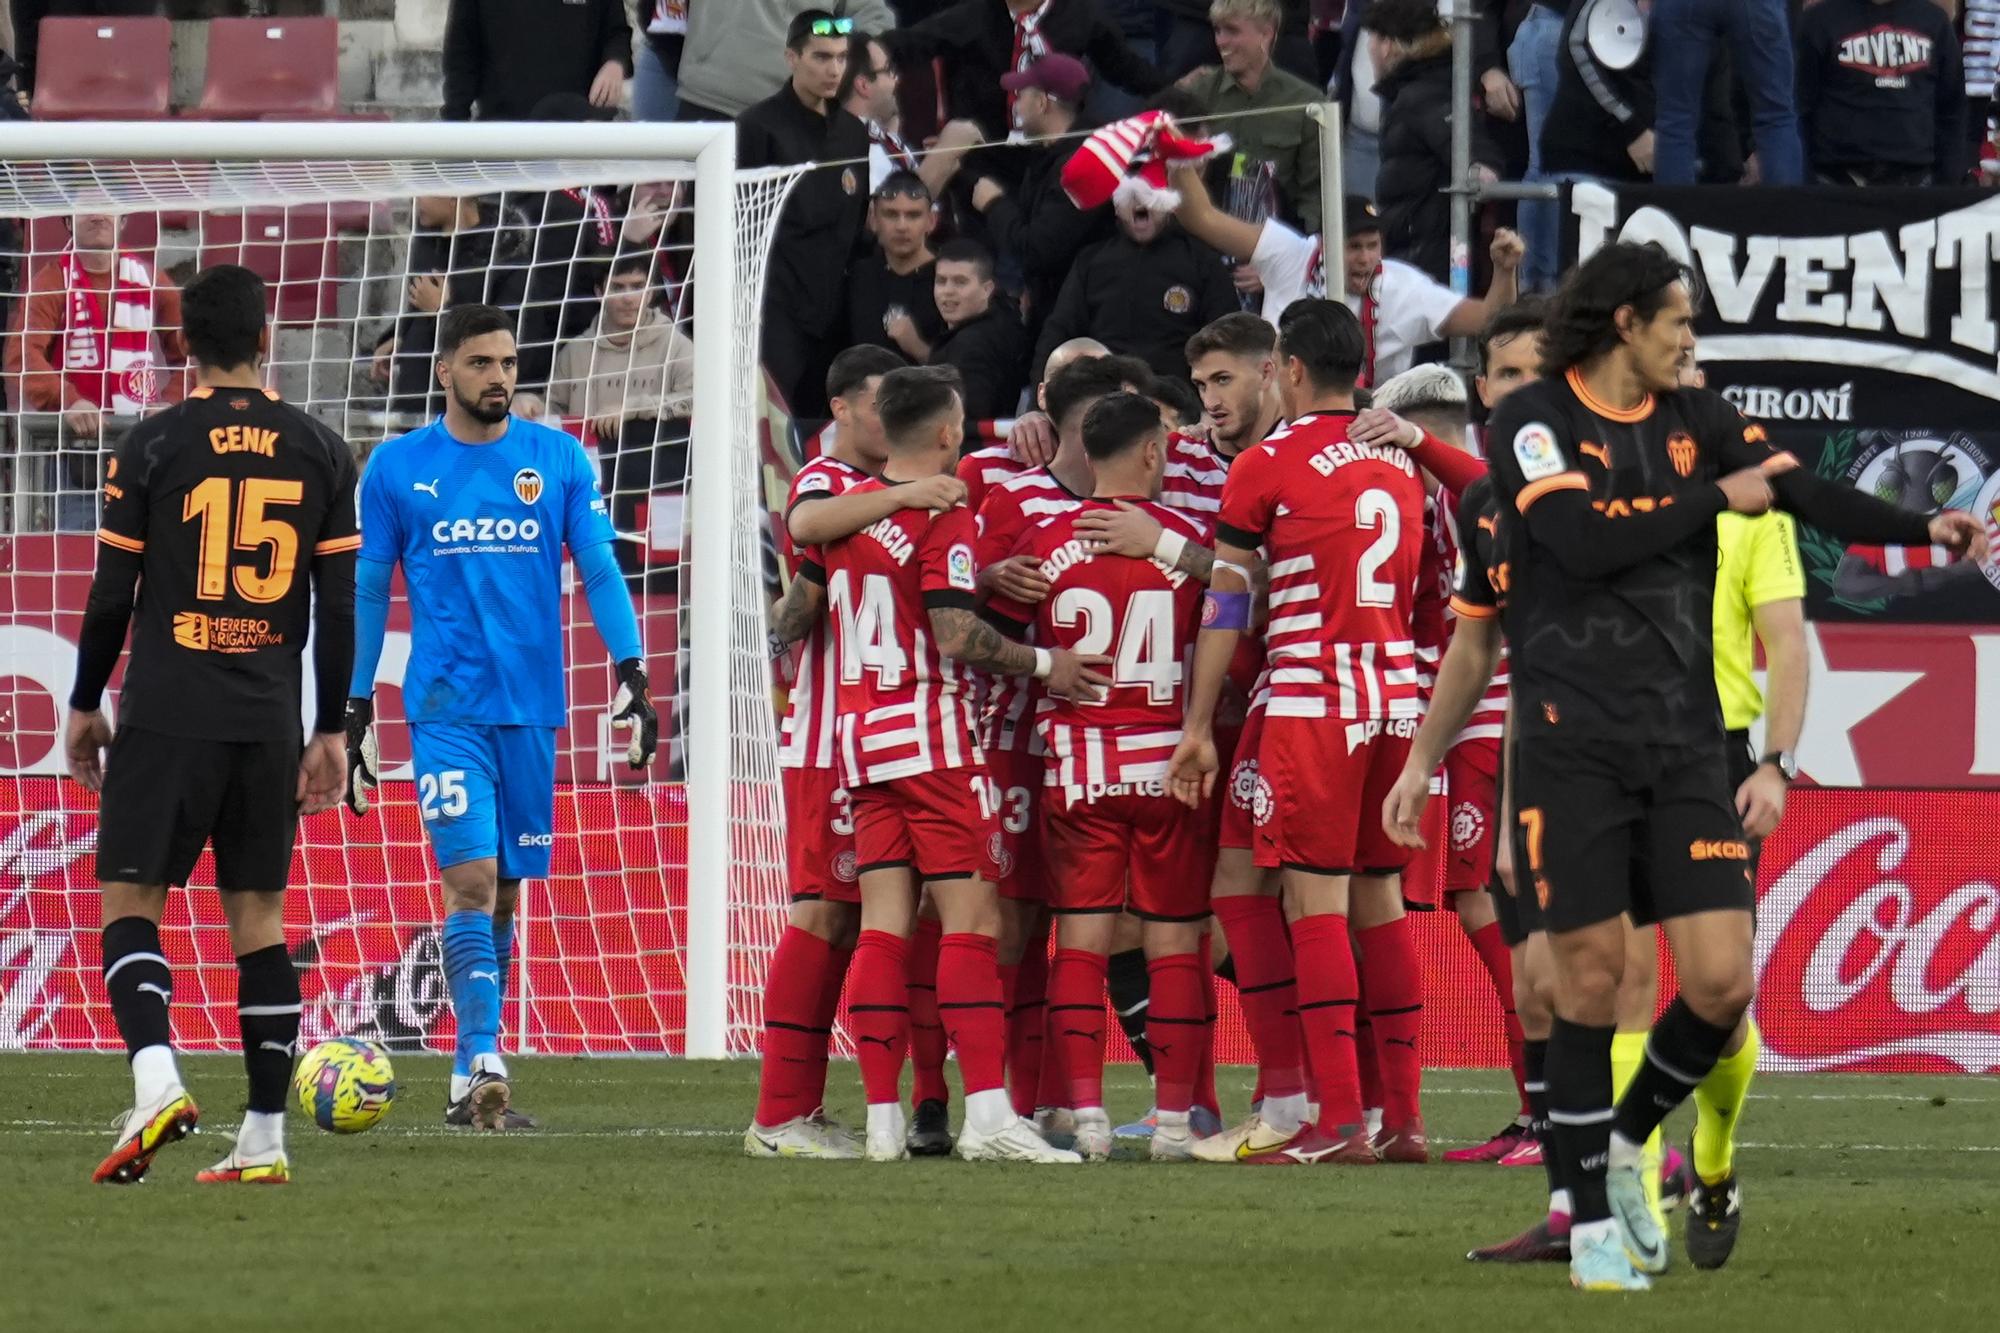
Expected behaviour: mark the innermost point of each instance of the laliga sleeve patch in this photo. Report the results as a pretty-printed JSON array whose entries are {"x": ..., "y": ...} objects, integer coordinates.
[
  {"x": 1536, "y": 451},
  {"x": 958, "y": 568},
  {"x": 813, "y": 482}
]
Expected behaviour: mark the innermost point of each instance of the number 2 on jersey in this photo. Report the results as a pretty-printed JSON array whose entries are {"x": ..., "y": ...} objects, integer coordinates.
[
  {"x": 253, "y": 530},
  {"x": 1145, "y": 654},
  {"x": 1376, "y": 508}
]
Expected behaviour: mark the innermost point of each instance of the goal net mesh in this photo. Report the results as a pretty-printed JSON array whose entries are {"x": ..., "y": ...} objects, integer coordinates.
[{"x": 596, "y": 259}]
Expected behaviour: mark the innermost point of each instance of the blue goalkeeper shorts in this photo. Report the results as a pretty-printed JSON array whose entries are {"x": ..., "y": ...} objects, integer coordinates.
[{"x": 487, "y": 791}]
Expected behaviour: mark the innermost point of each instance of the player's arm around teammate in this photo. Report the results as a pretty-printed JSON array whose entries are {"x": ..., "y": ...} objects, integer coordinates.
[{"x": 208, "y": 749}]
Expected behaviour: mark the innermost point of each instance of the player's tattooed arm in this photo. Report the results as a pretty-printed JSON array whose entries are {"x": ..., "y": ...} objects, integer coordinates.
[
  {"x": 1130, "y": 531},
  {"x": 797, "y": 612},
  {"x": 964, "y": 637}
]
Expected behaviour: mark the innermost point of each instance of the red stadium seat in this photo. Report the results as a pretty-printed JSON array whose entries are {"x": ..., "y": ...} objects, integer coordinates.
[
  {"x": 291, "y": 249},
  {"x": 261, "y": 69},
  {"x": 104, "y": 69}
]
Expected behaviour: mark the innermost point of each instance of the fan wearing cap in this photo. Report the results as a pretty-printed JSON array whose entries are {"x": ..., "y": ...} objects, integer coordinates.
[
  {"x": 821, "y": 227},
  {"x": 1034, "y": 222},
  {"x": 1399, "y": 306}
]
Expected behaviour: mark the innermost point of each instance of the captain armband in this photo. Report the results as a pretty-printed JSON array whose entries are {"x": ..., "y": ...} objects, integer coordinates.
[{"x": 1225, "y": 610}]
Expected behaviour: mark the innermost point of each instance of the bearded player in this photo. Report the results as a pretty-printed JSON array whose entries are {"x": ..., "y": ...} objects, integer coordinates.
[
  {"x": 1114, "y": 838},
  {"x": 1342, "y": 528},
  {"x": 477, "y": 508},
  {"x": 802, "y": 987}
]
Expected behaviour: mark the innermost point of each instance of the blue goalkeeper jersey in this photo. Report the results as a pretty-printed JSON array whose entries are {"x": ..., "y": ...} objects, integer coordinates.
[{"x": 479, "y": 530}]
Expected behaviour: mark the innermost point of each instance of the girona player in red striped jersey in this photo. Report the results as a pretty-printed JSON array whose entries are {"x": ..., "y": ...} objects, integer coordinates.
[
  {"x": 1340, "y": 524},
  {"x": 900, "y": 595},
  {"x": 1114, "y": 837},
  {"x": 1013, "y": 745},
  {"x": 802, "y": 986},
  {"x": 1460, "y": 866}
]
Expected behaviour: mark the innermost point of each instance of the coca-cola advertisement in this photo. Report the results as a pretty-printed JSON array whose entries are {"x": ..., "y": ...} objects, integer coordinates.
[{"x": 1878, "y": 933}]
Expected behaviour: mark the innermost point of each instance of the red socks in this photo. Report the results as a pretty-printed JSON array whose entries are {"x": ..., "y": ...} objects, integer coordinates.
[
  {"x": 878, "y": 1012},
  {"x": 1492, "y": 951},
  {"x": 1204, "y": 1081},
  {"x": 1176, "y": 1028},
  {"x": 1396, "y": 1008},
  {"x": 1327, "y": 997},
  {"x": 968, "y": 982},
  {"x": 1366, "y": 1067},
  {"x": 829, "y": 1009},
  {"x": 1076, "y": 1023},
  {"x": 927, "y": 1044},
  {"x": 1265, "y": 982},
  {"x": 1027, "y": 1005},
  {"x": 793, "y": 1073}
]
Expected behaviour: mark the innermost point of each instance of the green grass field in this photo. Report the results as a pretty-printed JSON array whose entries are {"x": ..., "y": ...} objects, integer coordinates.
[{"x": 1871, "y": 1203}]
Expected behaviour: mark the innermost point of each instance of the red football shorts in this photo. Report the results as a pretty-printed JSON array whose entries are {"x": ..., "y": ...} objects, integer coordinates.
[
  {"x": 1472, "y": 777},
  {"x": 1134, "y": 845},
  {"x": 1018, "y": 778},
  {"x": 820, "y": 829},
  {"x": 1318, "y": 792},
  {"x": 1423, "y": 877},
  {"x": 934, "y": 823},
  {"x": 1239, "y": 783}
]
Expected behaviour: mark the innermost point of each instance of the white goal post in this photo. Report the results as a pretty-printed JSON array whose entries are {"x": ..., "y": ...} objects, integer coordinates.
[{"x": 733, "y": 809}]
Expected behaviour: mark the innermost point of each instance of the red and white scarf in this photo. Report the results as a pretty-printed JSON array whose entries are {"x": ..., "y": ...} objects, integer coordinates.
[
  {"x": 596, "y": 212},
  {"x": 111, "y": 360},
  {"x": 901, "y": 158},
  {"x": 1029, "y": 46}
]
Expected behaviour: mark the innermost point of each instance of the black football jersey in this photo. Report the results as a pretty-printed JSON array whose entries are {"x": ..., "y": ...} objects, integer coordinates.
[
  {"x": 1629, "y": 654},
  {"x": 1480, "y": 587},
  {"x": 227, "y": 498}
]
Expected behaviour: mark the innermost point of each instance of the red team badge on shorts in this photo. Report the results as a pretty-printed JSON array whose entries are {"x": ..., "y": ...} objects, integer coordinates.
[
  {"x": 997, "y": 853},
  {"x": 1243, "y": 782},
  {"x": 1468, "y": 826},
  {"x": 843, "y": 866},
  {"x": 1261, "y": 799}
]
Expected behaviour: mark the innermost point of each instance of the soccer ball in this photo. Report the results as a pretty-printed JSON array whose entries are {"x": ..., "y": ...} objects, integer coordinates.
[{"x": 345, "y": 1085}]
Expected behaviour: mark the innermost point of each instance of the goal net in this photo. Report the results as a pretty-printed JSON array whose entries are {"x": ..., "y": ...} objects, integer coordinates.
[{"x": 633, "y": 258}]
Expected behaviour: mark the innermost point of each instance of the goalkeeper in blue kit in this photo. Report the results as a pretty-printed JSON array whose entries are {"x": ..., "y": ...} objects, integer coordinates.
[{"x": 477, "y": 508}]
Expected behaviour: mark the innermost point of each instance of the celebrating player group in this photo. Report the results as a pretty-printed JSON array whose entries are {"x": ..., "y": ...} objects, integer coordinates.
[
  {"x": 1166, "y": 708},
  {"x": 1187, "y": 695}
]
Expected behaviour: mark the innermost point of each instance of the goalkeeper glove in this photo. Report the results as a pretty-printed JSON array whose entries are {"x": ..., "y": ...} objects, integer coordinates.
[
  {"x": 364, "y": 759},
  {"x": 633, "y": 709}
]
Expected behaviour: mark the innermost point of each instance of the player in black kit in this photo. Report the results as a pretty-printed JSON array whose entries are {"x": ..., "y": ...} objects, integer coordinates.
[
  {"x": 1613, "y": 477},
  {"x": 233, "y": 512}
]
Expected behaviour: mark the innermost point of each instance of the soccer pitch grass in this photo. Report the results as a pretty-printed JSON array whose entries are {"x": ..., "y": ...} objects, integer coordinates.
[{"x": 1870, "y": 1203}]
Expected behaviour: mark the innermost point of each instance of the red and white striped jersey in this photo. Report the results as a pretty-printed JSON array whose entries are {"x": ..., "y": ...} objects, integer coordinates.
[
  {"x": 1894, "y": 560},
  {"x": 1489, "y": 716},
  {"x": 1012, "y": 509},
  {"x": 1194, "y": 476},
  {"x": 1342, "y": 526},
  {"x": 1142, "y": 615},
  {"x": 903, "y": 707},
  {"x": 983, "y": 469},
  {"x": 807, "y": 738}
]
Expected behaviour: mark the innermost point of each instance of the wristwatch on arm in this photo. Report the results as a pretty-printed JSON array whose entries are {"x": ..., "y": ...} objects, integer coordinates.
[{"x": 1784, "y": 761}]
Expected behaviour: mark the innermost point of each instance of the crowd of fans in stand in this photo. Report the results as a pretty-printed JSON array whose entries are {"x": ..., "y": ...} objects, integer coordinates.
[{"x": 936, "y": 224}]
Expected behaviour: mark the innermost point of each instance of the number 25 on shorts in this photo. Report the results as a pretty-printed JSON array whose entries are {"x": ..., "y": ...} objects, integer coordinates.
[
  {"x": 1531, "y": 821},
  {"x": 441, "y": 794}
]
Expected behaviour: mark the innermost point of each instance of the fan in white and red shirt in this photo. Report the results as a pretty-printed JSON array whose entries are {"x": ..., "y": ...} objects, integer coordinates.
[
  {"x": 1341, "y": 527},
  {"x": 905, "y": 634},
  {"x": 1116, "y": 840}
]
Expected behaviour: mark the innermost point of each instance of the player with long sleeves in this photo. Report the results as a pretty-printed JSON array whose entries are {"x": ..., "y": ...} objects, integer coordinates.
[{"x": 477, "y": 507}]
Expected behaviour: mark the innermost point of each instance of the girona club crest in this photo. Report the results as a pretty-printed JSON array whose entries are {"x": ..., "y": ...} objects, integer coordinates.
[
  {"x": 1878, "y": 938},
  {"x": 843, "y": 866},
  {"x": 1468, "y": 826},
  {"x": 1000, "y": 855},
  {"x": 141, "y": 382}
]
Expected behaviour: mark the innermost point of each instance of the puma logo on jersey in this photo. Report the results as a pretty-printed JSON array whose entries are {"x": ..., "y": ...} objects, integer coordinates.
[{"x": 429, "y": 488}]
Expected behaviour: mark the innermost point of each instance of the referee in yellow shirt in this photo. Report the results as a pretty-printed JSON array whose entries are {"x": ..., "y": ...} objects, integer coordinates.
[{"x": 1759, "y": 589}]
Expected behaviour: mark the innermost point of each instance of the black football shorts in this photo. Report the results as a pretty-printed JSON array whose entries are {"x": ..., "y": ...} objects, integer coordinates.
[
  {"x": 1608, "y": 827},
  {"x": 166, "y": 797}
]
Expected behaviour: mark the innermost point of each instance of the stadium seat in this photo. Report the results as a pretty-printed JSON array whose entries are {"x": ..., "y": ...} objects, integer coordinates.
[
  {"x": 104, "y": 69},
  {"x": 291, "y": 249},
  {"x": 261, "y": 69}
]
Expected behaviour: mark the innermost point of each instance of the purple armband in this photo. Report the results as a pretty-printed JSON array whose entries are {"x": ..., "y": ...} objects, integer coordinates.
[{"x": 1225, "y": 610}]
